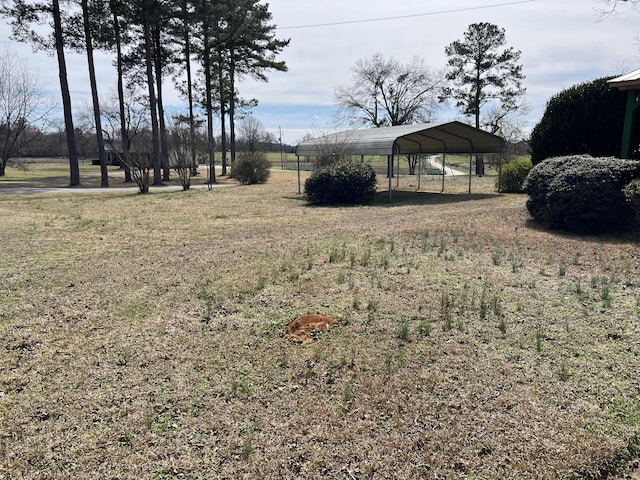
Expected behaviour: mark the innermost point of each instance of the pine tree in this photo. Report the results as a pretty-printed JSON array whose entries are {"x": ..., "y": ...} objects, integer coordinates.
[{"x": 22, "y": 15}]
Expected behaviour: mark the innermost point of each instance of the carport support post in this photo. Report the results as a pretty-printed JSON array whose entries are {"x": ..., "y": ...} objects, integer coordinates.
[
  {"x": 470, "y": 168},
  {"x": 298, "y": 159},
  {"x": 389, "y": 172},
  {"x": 444, "y": 171}
]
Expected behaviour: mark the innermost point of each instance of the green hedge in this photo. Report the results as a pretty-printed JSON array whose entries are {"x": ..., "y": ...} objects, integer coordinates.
[
  {"x": 581, "y": 193},
  {"x": 251, "y": 168},
  {"x": 585, "y": 119},
  {"x": 632, "y": 194},
  {"x": 344, "y": 182},
  {"x": 513, "y": 175}
]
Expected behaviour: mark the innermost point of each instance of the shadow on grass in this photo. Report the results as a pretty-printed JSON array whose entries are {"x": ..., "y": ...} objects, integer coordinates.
[
  {"x": 630, "y": 234},
  {"x": 400, "y": 198},
  {"x": 404, "y": 197}
]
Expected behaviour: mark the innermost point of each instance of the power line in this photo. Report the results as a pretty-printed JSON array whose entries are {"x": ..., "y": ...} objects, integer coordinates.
[{"x": 383, "y": 19}]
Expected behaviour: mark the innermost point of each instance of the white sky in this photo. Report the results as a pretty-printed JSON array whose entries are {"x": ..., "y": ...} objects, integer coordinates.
[{"x": 563, "y": 42}]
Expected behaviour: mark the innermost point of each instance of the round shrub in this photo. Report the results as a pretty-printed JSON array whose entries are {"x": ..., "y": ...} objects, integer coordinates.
[
  {"x": 345, "y": 181},
  {"x": 513, "y": 175},
  {"x": 251, "y": 168},
  {"x": 581, "y": 193}
]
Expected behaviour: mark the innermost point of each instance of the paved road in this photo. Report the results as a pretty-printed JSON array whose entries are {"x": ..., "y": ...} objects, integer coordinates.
[{"x": 23, "y": 188}]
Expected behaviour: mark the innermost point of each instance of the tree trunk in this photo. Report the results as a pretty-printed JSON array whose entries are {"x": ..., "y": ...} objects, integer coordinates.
[
  {"x": 223, "y": 123},
  {"x": 153, "y": 107},
  {"x": 192, "y": 123},
  {"x": 232, "y": 105},
  {"x": 164, "y": 143},
  {"x": 66, "y": 97},
  {"x": 209, "y": 106},
  {"x": 124, "y": 132},
  {"x": 104, "y": 175}
]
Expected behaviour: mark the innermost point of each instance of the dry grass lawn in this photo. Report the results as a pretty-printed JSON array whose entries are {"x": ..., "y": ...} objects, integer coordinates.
[{"x": 141, "y": 336}]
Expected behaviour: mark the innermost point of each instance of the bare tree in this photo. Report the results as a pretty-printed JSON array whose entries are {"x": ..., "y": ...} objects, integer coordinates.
[
  {"x": 23, "y": 108},
  {"x": 128, "y": 135},
  {"x": 252, "y": 133},
  {"x": 385, "y": 92},
  {"x": 613, "y": 6}
]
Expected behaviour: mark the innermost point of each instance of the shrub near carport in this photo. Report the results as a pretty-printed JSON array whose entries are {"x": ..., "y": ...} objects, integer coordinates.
[
  {"x": 251, "y": 168},
  {"x": 344, "y": 182},
  {"x": 514, "y": 174},
  {"x": 581, "y": 193}
]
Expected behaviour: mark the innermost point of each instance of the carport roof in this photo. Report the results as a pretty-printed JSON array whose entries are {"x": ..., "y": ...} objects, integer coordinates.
[
  {"x": 630, "y": 81},
  {"x": 449, "y": 137}
]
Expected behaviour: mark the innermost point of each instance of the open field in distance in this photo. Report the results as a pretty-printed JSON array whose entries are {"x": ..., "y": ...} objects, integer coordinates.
[{"x": 141, "y": 337}]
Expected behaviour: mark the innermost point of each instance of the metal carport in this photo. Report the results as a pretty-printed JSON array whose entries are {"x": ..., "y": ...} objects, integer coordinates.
[{"x": 427, "y": 138}]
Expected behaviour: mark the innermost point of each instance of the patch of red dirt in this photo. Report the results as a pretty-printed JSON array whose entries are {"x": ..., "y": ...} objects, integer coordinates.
[{"x": 301, "y": 328}]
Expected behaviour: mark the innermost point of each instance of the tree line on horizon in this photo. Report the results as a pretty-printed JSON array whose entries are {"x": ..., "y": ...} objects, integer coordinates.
[{"x": 153, "y": 40}]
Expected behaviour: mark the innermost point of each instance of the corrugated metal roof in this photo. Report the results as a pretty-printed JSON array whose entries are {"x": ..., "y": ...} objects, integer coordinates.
[
  {"x": 626, "y": 82},
  {"x": 449, "y": 137}
]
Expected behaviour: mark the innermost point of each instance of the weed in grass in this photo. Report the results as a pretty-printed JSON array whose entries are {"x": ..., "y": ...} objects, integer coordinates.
[
  {"x": 285, "y": 265},
  {"x": 293, "y": 276},
  {"x": 446, "y": 310},
  {"x": 463, "y": 299},
  {"x": 261, "y": 283},
  {"x": 516, "y": 263},
  {"x": 344, "y": 361},
  {"x": 563, "y": 371},
  {"x": 562, "y": 270},
  {"x": 355, "y": 304},
  {"x": 283, "y": 360},
  {"x": 496, "y": 305},
  {"x": 483, "y": 303},
  {"x": 240, "y": 388},
  {"x": 385, "y": 262},
  {"x": 366, "y": 258},
  {"x": 211, "y": 303},
  {"x": 372, "y": 306},
  {"x": 351, "y": 281},
  {"x": 576, "y": 259},
  {"x": 247, "y": 431},
  {"x": 424, "y": 241},
  {"x": 340, "y": 277},
  {"x": 496, "y": 258},
  {"x": 389, "y": 365},
  {"x": 502, "y": 326},
  {"x": 337, "y": 254},
  {"x": 403, "y": 330},
  {"x": 318, "y": 355},
  {"x": 578, "y": 288},
  {"x": 424, "y": 328},
  {"x": 539, "y": 339},
  {"x": 442, "y": 247},
  {"x": 247, "y": 448},
  {"x": 348, "y": 400},
  {"x": 605, "y": 296},
  {"x": 371, "y": 318}
]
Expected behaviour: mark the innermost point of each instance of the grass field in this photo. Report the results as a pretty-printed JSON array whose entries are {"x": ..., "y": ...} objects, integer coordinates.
[{"x": 141, "y": 337}]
